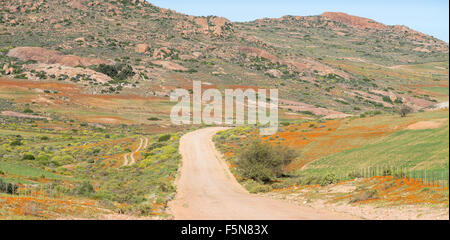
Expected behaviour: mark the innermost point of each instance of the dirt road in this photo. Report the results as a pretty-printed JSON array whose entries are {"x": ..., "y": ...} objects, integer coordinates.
[
  {"x": 142, "y": 144},
  {"x": 207, "y": 190}
]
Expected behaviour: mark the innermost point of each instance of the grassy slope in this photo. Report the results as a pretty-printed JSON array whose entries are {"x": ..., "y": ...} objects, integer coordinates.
[
  {"x": 346, "y": 144},
  {"x": 420, "y": 149},
  {"x": 22, "y": 170},
  {"x": 359, "y": 132}
]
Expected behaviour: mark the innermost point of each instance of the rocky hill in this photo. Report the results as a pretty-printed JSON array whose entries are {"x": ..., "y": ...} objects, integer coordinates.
[{"x": 332, "y": 61}]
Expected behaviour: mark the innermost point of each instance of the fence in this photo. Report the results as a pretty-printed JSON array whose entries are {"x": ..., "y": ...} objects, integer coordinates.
[
  {"x": 434, "y": 177},
  {"x": 39, "y": 191}
]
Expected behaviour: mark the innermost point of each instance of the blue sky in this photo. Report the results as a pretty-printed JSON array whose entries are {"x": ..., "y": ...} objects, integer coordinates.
[{"x": 427, "y": 16}]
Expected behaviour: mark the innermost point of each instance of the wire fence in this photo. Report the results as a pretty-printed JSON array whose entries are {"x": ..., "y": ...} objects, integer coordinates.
[
  {"x": 432, "y": 177},
  {"x": 35, "y": 197},
  {"x": 38, "y": 191},
  {"x": 32, "y": 190}
]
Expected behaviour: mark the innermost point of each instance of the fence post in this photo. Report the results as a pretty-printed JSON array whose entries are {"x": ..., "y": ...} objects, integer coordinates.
[
  {"x": 432, "y": 178},
  {"x": 446, "y": 178}
]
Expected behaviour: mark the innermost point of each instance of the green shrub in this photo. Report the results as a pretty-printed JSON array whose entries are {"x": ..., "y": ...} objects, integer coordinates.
[
  {"x": 387, "y": 99},
  {"x": 285, "y": 124},
  {"x": 329, "y": 179},
  {"x": 28, "y": 157},
  {"x": 43, "y": 159},
  {"x": 398, "y": 101},
  {"x": 155, "y": 145},
  {"x": 16, "y": 142},
  {"x": 44, "y": 138},
  {"x": 9, "y": 188},
  {"x": 144, "y": 209},
  {"x": 387, "y": 172},
  {"x": 83, "y": 189},
  {"x": 404, "y": 110},
  {"x": 256, "y": 187},
  {"x": 28, "y": 111},
  {"x": 118, "y": 71},
  {"x": 280, "y": 185},
  {"x": 311, "y": 180},
  {"x": 62, "y": 160},
  {"x": 264, "y": 162},
  {"x": 164, "y": 138},
  {"x": 365, "y": 195}
]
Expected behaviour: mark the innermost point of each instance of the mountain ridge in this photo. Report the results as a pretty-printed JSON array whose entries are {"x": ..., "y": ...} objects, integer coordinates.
[{"x": 315, "y": 60}]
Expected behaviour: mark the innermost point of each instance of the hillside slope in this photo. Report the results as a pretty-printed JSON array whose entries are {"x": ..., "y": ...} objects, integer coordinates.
[{"x": 315, "y": 60}]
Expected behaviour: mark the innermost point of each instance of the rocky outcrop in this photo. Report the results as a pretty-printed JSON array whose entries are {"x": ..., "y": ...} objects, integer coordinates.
[
  {"x": 274, "y": 73},
  {"x": 7, "y": 69},
  {"x": 354, "y": 21},
  {"x": 256, "y": 52},
  {"x": 170, "y": 65},
  {"x": 21, "y": 115},
  {"x": 78, "y": 4},
  {"x": 142, "y": 48},
  {"x": 161, "y": 53},
  {"x": 217, "y": 26},
  {"x": 42, "y": 55},
  {"x": 72, "y": 72}
]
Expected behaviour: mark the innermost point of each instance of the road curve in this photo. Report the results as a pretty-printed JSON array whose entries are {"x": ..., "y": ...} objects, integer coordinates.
[
  {"x": 142, "y": 145},
  {"x": 206, "y": 189}
]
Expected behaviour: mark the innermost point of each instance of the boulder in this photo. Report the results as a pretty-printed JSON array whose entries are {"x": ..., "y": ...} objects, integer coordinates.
[
  {"x": 80, "y": 39},
  {"x": 8, "y": 70},
  {"x": 161, "y": 53},
  {"x": 170, "y": 65},
  {"x": 142, "y": 48},
  {"x": 274, "y": 73},
  {"x": 43, "y": 55}
]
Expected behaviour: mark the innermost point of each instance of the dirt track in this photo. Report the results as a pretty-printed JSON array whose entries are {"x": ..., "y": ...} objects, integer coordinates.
[
  {"x": 142, "y": 144},
  {"x": 207, "y": 190}
]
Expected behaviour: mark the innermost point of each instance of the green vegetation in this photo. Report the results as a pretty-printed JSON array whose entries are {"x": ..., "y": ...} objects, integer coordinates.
[
  {"x": 404, "y": 110},
  {"x": 79, "y": 152},
  {"x": 412, "y": 153},
  {"x": 345, "y": 61},
  {"x": 440, "y": 90},
  {"x": 365, "y": 195},
  {"x": 421, "y": 149},
  {"x": 9, "y": 188},
  {"x": 83, "y": 163},
  {"x": 118, "y": 72},
  {"x": 24, "y": 171},
  {"x": 164, "y": 138},
  {"x": 264, "y": 162}
]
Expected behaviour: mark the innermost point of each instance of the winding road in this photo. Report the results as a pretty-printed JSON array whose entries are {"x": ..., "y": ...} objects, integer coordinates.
[
  {"x": 142, "y": 144},
  {"x": 207, "y": 190}
]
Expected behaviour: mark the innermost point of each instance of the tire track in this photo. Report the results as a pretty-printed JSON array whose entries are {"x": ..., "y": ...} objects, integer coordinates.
[{"x": 129, "y": 157}]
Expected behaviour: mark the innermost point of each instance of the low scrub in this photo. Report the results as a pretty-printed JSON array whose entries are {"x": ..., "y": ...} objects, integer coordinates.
[
  {"x": 365, "y": 195},
  {"x": 118, "y": 71},
  {"x": 264, "y": 162},
  {"x": 257, "y": 187},
  {"x": 9, "y": 188},
  {"x": 84, "y": 189},
  {"x": 319, "y": 180}
]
